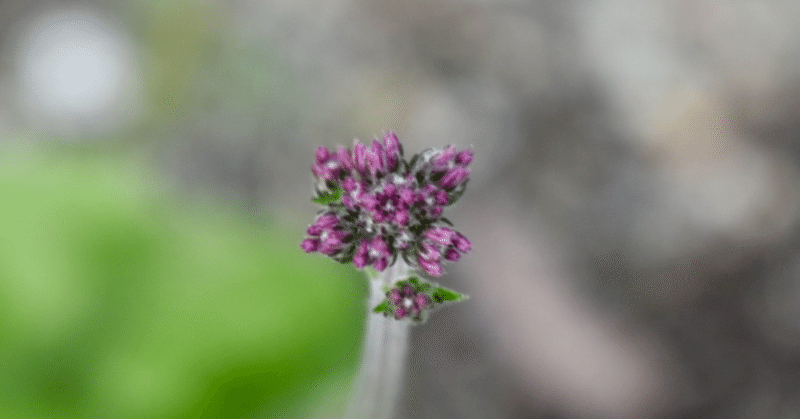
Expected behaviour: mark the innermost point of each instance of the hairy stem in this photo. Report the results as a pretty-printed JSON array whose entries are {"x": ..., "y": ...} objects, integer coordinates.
[{"x": 377, "y": 389}]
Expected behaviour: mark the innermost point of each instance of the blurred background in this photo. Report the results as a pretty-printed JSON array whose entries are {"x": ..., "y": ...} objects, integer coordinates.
[{"x": 633, "y": 207}]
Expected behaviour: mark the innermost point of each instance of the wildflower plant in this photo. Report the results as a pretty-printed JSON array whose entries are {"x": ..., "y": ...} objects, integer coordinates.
[{"x": 379, "y": 208}]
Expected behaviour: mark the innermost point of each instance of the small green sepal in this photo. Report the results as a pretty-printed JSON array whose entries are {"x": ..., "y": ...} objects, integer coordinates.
[{"x": 328, "y": 197}]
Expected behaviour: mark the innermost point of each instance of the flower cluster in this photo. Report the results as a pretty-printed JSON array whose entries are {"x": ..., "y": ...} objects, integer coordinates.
[
  {"x": 413, "y": 299},
  {"x": 407, "y": 302},
  {"x": 378, "y": 206}
]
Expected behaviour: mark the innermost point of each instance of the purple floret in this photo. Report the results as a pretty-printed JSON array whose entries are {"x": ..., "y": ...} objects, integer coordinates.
[{"x": 407, "y": 301}]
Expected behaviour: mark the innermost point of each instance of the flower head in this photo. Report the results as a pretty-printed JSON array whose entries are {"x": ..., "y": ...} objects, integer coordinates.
[
  {"x": 380, "y": 206},
  {"x": 414, "y": 298},
  {"x": 407, "y": 302}
]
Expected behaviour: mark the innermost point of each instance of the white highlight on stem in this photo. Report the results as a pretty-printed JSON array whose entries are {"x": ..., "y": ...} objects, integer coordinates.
[{"x": 378, "y": 387}]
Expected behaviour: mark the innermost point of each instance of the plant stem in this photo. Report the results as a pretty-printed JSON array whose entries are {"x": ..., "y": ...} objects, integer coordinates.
[{"x": 378, "y": 386}]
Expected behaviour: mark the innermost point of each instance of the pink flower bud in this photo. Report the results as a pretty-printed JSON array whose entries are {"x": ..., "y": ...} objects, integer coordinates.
[
  {"x": 391, "y": 143},
  {"x": 461, "y": 243},
  {"x": 360, "y": 257},
  {"x": 407, "y": 196},
  {"x": 440, "y": 235},
  {"x": 360, "y": 156},
  {"x": 376, "y": 160},
  {"x": 422, "y": 300},
  {"x": 344, "y": 157},
  {"x": 406, "y": 291},
  {"x": 394, "y": 296},
  {"x": 324, "y": 222},
  {"x": 392, "y": 147},
  {"x": 400, "y": 312},
  {"x": 444, "y": 157},
  {"x": 370, "y": 202},
  {"x": 331, "y": 241},
  {"x": 429, "y": 252},
  {"x": 323, "y": 155},
  {"x": 432, "y": 268},
  {"x": 455, "y": 176},
  {"x": 380, "y": 248},
  {"x": 349, "y": 184},
  {"x": 452, "y": 255},
  {"x": 441, "y": 198},
  {"x": 464, "y": 157},
  {"x": 401, "y": 217},
  {"x": 310, "y": 245}
]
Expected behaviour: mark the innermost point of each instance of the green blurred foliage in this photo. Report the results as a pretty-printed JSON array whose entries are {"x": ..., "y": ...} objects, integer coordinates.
[{"x": 116, "y": 302}]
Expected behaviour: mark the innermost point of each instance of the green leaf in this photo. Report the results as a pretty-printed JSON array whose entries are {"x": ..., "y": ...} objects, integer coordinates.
[
  {"x": 328, "y": 197},
  {"x": 443, "y": 294},
  {"x": 383, "y": 307},
  {"x": 400, "y": 284}
]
